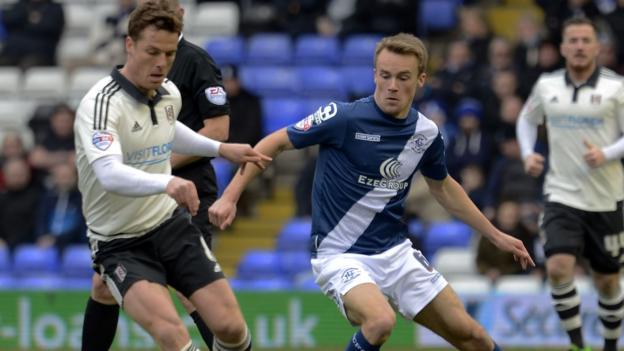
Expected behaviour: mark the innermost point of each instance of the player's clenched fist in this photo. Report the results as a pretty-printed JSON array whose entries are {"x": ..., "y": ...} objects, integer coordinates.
[
  {"x": 534, "y": 164},
  {"x": 184, "y": 193},
  {"x": 222, "y": 213}
]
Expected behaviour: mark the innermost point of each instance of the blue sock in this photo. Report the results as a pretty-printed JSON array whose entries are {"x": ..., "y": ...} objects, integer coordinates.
[
  {"x": 359, "y": 343},
  {"x": 496, "y": 348}
]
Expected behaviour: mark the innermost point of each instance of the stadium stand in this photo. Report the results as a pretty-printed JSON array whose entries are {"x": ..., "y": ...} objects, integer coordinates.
[
  {"x": 519, "y": 284},
  {"x": 280, "y": 112},
  {"x": 451, "y": 261},
  {"x": 31, "y": 260},
  {"x": 269, "y": 49},
  {"x": 226, "y": 50},
  {"x": 295, "y": 235},
  {"x": 316, "y": 50},
  {"x": 212, "y": 18},
  {"x": 446, "y": 234}
]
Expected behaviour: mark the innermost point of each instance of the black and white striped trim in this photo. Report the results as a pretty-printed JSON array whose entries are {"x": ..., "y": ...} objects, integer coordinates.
[{"x": 102, "y": 102}]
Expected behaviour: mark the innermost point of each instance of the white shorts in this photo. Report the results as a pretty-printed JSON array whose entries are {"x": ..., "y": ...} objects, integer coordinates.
[{"x": 402, "y": 274}]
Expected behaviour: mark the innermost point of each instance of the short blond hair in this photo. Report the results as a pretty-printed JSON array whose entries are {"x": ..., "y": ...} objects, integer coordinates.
[{"x": 404, "y": 44}]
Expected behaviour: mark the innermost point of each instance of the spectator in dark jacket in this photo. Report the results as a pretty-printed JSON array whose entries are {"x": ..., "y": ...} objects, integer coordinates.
[{"x": 34, "y": 29}]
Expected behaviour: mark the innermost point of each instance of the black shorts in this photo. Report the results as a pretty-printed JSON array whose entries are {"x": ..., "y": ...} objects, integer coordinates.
[
  {"x": 201, "y": 219},
  {"x": 595, "y": 235},
  {"x": 173, "y": 254}
]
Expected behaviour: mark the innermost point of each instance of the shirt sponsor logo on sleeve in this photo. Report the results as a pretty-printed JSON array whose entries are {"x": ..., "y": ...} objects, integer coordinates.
[
  {"x": 216, "y": 95},
  {"x": 305, "y": 123},
  {"x": 102, "y": 140}
]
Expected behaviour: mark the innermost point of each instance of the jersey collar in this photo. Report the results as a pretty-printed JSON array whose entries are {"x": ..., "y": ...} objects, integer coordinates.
[
  {"x": 591, "y": 81},
  {"x": 133, "y": 91}
]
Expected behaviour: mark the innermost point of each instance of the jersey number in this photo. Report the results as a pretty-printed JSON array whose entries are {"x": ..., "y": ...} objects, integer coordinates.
[{"x": 614, "y": 244}]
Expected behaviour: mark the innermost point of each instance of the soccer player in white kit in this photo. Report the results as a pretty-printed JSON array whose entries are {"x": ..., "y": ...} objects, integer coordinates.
[
  {"x": 369, "y": 151},
  {"x": 138, "y": 214},
  {"x": 582, "y": 107}
]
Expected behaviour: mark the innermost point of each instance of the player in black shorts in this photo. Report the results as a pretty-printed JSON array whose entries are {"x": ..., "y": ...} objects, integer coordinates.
[
  {"x": 582, "y": 107},
  {"x": 205, "y": 109}
]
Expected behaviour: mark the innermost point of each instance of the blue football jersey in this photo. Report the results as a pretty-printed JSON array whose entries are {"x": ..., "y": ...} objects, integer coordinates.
[{"x": 363, "y": 173}]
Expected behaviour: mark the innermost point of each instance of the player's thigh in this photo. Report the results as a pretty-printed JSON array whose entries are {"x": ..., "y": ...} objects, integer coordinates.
[
  {"x": 140, "y": 301},
  {"x": 218, "y": 307},
  {"x": 446, "y": 316},
  {"x": 366, "y": 302},
  {"x": 604, "y": 241},
  {"x": 100, "y": 292},
  {"x": 564, "y": 229}
]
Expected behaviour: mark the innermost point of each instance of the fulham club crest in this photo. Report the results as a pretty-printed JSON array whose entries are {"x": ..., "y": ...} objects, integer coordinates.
[
  {"x": 595, "y": 99},
  {"x": 170, "y": 114}
]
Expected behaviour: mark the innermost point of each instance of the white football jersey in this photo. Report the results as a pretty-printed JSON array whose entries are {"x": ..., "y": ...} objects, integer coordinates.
[
  {"x": 115, "y": 118},
  {"x": 593, "y": 112}
]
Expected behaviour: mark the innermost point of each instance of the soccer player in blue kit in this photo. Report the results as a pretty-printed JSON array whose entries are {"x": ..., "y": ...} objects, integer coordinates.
[{"x": 369, "y": 151}]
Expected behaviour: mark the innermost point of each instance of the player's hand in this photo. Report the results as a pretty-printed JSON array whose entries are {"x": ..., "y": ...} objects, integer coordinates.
[
  {"x": 222, "y": 213},
  {"x": 534, "y": 164},
  {"x": 593, "y": 155},
  {"x": 184, "y": 193},
  {"x": 243, "y": 153},
  {"x": 508, "y": 243}
]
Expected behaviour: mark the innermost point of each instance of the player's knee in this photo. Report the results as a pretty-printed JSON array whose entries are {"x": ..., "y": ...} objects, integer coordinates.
[
  {"x": 379, "y": 328},
  {"x": 169, "y": 334},
  {"x": 607, "y": 285},
  {"x": 559, "y": 270},
  {"x": 100, "y": 292},
  {"x": 475, "y": 338},
  {"x": 231, "y": 330}
]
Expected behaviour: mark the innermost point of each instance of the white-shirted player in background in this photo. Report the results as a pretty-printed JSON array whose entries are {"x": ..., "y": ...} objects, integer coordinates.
[
  {"x": 583, "y": 109},
  {"x": 138, "y": 214}
]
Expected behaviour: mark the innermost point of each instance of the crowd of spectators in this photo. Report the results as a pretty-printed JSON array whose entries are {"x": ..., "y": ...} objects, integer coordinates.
[{"x": 478, "y": 81}]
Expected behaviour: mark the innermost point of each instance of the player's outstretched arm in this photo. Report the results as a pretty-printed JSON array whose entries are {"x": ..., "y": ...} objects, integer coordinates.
[
  {"x": 453, "y": 197},
  {"x": 188, "y": 142},
  {"x": 223, "y": 211}
]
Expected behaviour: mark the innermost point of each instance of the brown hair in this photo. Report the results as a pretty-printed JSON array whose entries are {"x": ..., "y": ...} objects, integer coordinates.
[
  {"x": 404, "y": 44},
  {"x": 577, "y": 21},
  {"x": 160, "y": 14}
]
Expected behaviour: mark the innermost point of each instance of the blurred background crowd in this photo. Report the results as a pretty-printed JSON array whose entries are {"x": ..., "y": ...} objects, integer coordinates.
[{"x": 281, "y": 60}]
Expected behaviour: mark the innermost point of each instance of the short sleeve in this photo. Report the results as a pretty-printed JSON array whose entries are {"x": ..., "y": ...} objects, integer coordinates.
[
  {"x": 533, "y": 109},
  {"x": 95, "y": 129},
  {"x": 325, "y": 126},
  {"x": 208, "y": 90},
  {"x": 433, "y": 164}
]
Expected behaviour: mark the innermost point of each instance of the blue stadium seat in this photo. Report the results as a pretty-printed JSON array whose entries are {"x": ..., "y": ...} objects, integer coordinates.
[
  {"x": 358, "y": 80},
  {"x": 305, "y": 282},
  {"x": 269, "y": 81},
  {"x": 295, "y": 235},
  {"x": 76, "y": 262},
  {"x": 438, "y": 15},
  {"x": 268, "y": 284},
  {"x": 7, "y": 281},
  {"x": 316, "y": 50},
  {"x": 293, "y": 263},
  {"x": 259, "y": 264},
  {"x": 226, "y": 50},
  {"x": 321, "y": 82},
  {"x": 40, "y": 282},
  {"x": 78, "y": 284},
  {"x": 359, "y": 49},
  {"x": 224, "y": 171},
  {"x": 444, "y": 234},
  {"x": 32, "y": 260},
  {"x": 280, "y": 112},
  {"x": 269, "y": 49},
  {"x": 416, "y": 229},
  {"x": 5, "y": 259}
]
